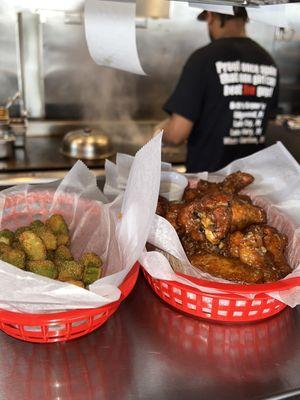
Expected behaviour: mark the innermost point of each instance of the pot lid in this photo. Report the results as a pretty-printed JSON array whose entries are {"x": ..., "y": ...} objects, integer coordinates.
[{"x": 87, "y": 144}]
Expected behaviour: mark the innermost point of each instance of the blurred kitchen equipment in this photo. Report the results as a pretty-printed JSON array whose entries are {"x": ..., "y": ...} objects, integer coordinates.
[
  {"x": 13, "y": 129},
  {"x": 4, "y": 120},
  {"x": 6, "y": 138},
  {"x": 6, "y": 145},
  {"x": 12, "y": 100},
  {"x": 18, "y": 127},
  {"x": 86, "y": 144}
]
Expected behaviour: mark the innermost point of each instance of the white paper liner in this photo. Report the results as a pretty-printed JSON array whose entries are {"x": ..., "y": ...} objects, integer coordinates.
[
  {"x": 115, "y": 231},
  {"x": 276, "y": 188},
  {"x": 117, "y": 174}
]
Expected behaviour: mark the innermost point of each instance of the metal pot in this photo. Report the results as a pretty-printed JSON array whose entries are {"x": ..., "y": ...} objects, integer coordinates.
[{"x": 86, "y": 144}]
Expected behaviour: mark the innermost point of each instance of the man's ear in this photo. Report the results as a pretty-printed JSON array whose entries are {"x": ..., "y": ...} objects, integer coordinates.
[{"x": 209, "y": 17}]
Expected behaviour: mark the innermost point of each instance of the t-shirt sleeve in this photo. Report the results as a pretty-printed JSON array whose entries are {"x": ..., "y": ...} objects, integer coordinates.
[{"x": 188, "y": 95}]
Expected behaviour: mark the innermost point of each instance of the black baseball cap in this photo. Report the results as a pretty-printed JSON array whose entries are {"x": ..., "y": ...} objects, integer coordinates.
[{"x": 239, "y": 12}]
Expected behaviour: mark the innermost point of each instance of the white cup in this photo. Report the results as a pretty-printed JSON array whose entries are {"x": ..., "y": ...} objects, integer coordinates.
[{"x": 172, "y": 185}]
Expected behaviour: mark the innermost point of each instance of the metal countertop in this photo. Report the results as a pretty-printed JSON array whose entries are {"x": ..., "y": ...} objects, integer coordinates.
[
  {"x": 146, "y": 350},
  {"x": 43, "y": 154}
]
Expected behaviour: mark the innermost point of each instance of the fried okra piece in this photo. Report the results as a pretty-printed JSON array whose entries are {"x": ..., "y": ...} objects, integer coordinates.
[
  {"x": 47, "y": 236},
  {"x": 92, "y": 264},
  {"x": 12, "y": 256},
  {"x": 58, "y": 226},
  {"x": 74, "y": 282},
  {"x": 69, "y": 270},
  {"x": 21, "y": 230},
  {"x": 63, "y": 239},
  {"x": 3, "y": 247},
  {"x": 63, "y": 253},
  {"x": 33, "y": 246},
  {"x": 36, "y": 224},
  {"x": 16, "y": 245},
  {"x": 43, "y": 267},
  {"x": 7, "y": 237},
  {"x": 51, "y": 255}
]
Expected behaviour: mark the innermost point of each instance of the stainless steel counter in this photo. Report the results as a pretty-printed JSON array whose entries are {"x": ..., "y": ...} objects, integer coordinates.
[{"x": 149, "y": 351}]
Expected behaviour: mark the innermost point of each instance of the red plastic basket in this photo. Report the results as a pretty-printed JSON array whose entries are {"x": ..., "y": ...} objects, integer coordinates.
[
  {"x": 230, "y": 306},
  {"x": 63, "y": 326},
  {"x": 19, "y": 209},
  {"x": 229, "y": 350}
]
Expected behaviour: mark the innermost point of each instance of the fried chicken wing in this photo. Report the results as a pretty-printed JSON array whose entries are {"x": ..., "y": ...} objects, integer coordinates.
[
  {"x": 172, "y": 213},
  {"x": 231, "y": 269},
  {"x": 276, "y": 243},
  {"x": 215, "y": 217},
  {"x": 224, "y": 233},
  {"x": 162, "y": 206},
  {"x": 232, "y": 184},
  {"x": 203, "y": 188},
  {"x": 190, "y": 194},
  {"x": 261, "y": 247},
  {"x": 245, "y": 214},
  {"x": 193, "y": 246},
  {"x": 217, "y": 214},
  {"x": 237, "y": 181}
]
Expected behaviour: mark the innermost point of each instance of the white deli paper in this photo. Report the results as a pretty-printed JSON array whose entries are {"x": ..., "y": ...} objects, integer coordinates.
[
  {"x": 117, "y": 174},
  {"x": 111, "y": 35},
  {"x": 276, "y": 189},
  {"x": 116, "y": 231}
]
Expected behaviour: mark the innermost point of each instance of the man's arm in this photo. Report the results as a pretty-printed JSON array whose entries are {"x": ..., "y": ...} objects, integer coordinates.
[{"x": 176, "y": 129}]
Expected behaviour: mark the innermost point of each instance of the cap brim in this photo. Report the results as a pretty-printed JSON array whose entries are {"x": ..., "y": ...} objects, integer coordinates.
[{"x": 202, "y": 16}]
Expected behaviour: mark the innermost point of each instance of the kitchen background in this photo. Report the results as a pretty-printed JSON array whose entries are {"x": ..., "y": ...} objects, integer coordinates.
[{"x": 47, "y": 51}]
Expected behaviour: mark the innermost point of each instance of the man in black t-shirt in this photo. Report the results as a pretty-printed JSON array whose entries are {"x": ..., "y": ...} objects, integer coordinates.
[{"x": 224, "y": 97}]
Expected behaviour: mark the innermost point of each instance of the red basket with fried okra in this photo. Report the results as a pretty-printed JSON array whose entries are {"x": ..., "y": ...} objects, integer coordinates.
[
  {"x": 227, "y": 236},
  {"x": 36, "y": 238}
]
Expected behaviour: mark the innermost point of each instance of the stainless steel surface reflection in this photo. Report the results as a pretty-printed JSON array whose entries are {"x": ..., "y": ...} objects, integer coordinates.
[{"x": 149, "y": 351}]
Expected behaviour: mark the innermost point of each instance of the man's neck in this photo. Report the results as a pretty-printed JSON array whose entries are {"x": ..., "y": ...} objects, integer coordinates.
[
  {"x": 232, "y": 29},
  {"x": 233, "y": 34}
]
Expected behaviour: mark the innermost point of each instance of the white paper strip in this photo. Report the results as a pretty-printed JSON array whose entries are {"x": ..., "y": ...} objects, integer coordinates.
[
  {"x": 213, "y": 7},
  {"x": 110, "y": 34}
]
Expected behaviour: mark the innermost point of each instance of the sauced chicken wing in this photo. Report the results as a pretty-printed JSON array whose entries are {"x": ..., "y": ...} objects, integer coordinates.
[
  {"x": 249, "y": 248},
  {"x": 209, "y": 215},
  {"x": 224, "y": 233},
  {"x": 231, "y": 269},
  {"x": 232, "y": 184},
  {"x": 237, "y": 181},
  {"x": 203, "y": 188},
  {"x": 276, "y": 243},
  {"x": 162, "y": 206},
  {"x": 192, "y": 246},
  {"x": 216, "y": 215},
  {"x": 245, "y": 214},
  {"x": 172, "y": 213},
  {"x": 261, "y": 246}
]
